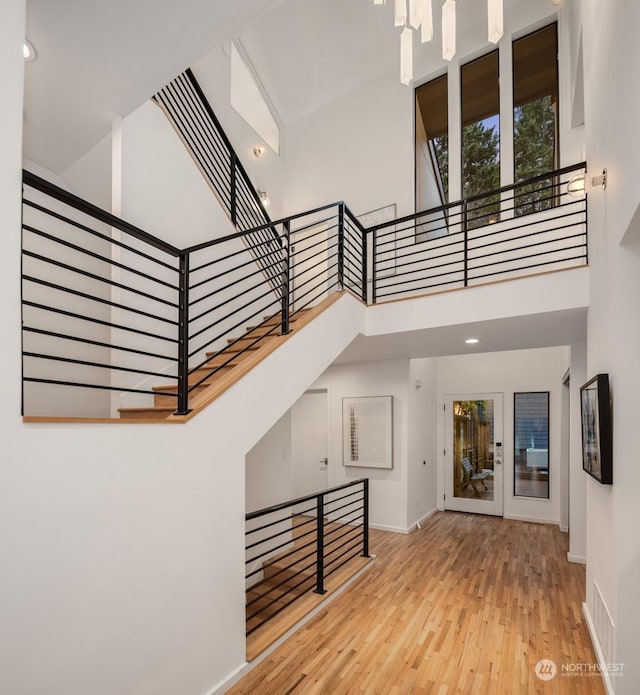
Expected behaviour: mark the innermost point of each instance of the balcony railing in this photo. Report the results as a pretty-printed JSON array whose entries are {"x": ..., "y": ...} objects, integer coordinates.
[
  {"x": 291, "y": 548},
  {"x": 111, "y": 309}
]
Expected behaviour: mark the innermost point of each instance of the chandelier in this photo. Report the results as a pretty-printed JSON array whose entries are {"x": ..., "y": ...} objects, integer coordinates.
[{"x": 418, "y": 14}]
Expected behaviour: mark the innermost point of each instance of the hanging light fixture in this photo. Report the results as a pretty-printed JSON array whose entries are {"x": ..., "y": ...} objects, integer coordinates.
[
  {"x": 400, "y": 12},
  {"x": 449, "y": 29},
  {"x": 495, "y": 16},
  {"x": 426, "y": 31},
  {"x": 415, "y": 13},
  {"x": 406, "y": 56}
]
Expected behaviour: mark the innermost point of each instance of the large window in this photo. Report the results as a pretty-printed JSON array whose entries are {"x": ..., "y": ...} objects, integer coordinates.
[
  {"x": 480, "y": 109},
  {"x": 531, "y": 444},
  {"x": 535, "y": 132},
  {"x": 432, "y": 144},
  {"x": 535, "y": 116}
]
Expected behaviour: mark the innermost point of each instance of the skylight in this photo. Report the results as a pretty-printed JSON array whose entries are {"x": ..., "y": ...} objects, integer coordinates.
[{"x": 247, "y": 99}]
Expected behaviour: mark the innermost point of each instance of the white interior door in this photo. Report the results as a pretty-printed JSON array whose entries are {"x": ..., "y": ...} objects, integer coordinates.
[
  {"x": 474, "y": 453},
  {"x": 310, "y": 443}
]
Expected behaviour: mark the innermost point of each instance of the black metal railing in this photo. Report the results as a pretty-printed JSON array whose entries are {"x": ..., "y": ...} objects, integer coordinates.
[
  {"x": 291, "y": 548},
  {"x": 515, "y": 230},
  {"x": 192, "y": 116},
  {"x": 110, "y": 308}
]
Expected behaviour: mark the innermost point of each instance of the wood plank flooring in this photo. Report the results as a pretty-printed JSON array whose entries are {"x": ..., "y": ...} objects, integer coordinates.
[{"x": 467, "y": 605}]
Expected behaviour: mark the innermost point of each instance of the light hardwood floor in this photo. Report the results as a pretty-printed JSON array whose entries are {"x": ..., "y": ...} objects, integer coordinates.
[{"x": 469, "y": 604}]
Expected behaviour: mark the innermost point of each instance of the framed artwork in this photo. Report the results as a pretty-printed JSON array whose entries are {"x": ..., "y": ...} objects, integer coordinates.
[
  {"x": 367, "y": 431},
  {"x": 595, "y": 411}
]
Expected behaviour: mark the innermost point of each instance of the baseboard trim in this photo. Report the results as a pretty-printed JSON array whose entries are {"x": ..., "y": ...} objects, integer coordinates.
[
  {"x": 564, "y": 529},
  {"x": 224, "y": 685},
  {"x": 533, "y": 520},
  {"x": 391, "y": 529},
  {"x": 421, "y": 521},
  {"x": 606, "y": 679},
  {"x": 577, "y": 558}
]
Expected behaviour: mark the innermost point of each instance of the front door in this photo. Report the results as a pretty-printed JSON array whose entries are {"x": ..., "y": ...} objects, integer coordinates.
[{"x": 473, "y": 453}]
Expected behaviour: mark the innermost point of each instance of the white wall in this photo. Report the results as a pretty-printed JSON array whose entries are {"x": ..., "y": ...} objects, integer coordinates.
[
  {"x": 268, "y": 478},
  {"x": 506, "y": 373},
  {"x": 387, "y": 487},
  {"x": 422, "y": 440},
  {"x": 611, "y": 51},
  {"x": 577, "y": 477},
  {"x": 358, "y": 148}
]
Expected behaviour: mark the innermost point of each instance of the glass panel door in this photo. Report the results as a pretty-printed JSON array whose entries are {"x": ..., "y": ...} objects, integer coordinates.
[{"x": 473, "y": 453}]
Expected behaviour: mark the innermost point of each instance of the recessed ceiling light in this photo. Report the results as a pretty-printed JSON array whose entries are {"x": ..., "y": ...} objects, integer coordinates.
[
  {"x": 28, "y": 51},
  {"x": 472, "y": 341}
]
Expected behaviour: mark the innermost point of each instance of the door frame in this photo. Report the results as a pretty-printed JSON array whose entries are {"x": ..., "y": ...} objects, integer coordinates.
[{"x": 494, "y": 507}]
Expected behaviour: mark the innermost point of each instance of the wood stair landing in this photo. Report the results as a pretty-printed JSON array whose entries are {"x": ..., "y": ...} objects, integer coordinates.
[
  {"x": 281, "y": 617},
  {"x": 224, "y": 368},
  {"x": 291, "y": 574}
]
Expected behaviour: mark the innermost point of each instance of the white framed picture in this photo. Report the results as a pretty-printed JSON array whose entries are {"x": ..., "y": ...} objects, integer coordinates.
[{"x": 367, "y": 431}]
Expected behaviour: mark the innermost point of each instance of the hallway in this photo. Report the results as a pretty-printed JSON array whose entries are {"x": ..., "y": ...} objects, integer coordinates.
[{"x": 469, "y": 604}]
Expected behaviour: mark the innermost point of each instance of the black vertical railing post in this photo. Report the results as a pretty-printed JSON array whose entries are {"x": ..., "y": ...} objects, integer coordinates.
[
  {"x": 364, "y": 267},
  {"x": 234, "y": 196},
  {"x": 365, "y": 518},
  {"x": 183, "y": 336},
  {"x": 341, "y": 245},
  {"x": 286, "y": 279},
  {"x": 320, "y": 546},
  {"x": 374, "y": 267},
  {"x": 465, "y": 229}
]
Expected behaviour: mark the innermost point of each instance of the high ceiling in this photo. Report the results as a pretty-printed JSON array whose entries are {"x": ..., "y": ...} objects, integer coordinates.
[{"x": 100, "y": 60}]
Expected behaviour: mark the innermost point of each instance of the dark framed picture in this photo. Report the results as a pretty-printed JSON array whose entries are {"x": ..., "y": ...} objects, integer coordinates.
[{"x": 597, "y": 438}]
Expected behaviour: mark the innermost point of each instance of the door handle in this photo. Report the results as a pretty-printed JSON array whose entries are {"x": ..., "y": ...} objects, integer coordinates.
[{"x": 325, "y": 461}]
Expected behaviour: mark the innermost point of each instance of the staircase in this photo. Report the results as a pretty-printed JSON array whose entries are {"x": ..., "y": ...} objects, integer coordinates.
[{"x": 223, "y": 368}]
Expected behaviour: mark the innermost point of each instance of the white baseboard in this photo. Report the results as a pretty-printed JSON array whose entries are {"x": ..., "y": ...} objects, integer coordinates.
[
  {"x": 515, "y": 517},
  {"x": 577, "y": 558},
  {"x": 392, "y": 529},
  {"x": 224, "y": 685},
  {"x": 421, "y": 521},
  {"x": 606, "y": 679},
  {"x": 564, "y": 529}
]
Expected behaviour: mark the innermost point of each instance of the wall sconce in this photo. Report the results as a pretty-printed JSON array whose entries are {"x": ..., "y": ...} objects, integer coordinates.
[
  {"x": 258, "y": 151},
  {"x": 28, "y": 51},
  {"x": 264, "y": 199},
  {"x": 577, "y": 185}
]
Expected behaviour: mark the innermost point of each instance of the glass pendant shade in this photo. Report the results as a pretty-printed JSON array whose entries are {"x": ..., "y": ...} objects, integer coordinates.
[
  {"x": 449, "y": 29},
  {"x": 426, "y": 31},
  {"x": 495, "y": 20},
  {"x": 400, "y": 12},
  {"x": 406, "y": 56},
  {"x": 415, "y": 13}
]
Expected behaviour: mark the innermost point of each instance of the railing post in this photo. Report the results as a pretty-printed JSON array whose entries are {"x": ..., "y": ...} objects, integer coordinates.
[
  {"x": 286, "y": 280},
  {"x": 183, "y": 336},
  {"x": 364, "y": 266},
  {"x": 320, "y": 546},
  {"x": 233, "y": 193},
  {"x": 374, "y": 267},
  {"x": 365, "y": 518},
  {"x": 465, "y": 229},
  {"x": 341, "y": 245}
]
